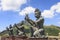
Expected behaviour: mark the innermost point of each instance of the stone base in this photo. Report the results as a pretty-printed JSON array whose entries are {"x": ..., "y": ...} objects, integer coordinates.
[
  {"x": 38, "y": 38},
  {"x": 21, "y": 38}
]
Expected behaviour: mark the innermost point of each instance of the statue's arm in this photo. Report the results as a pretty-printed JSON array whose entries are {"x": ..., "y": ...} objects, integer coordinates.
[
  {"x": 16, "y": 27},
  {"x": 32, "y": 22},
  {"x": 19, "y": 27},
  {"x": 29, "y": 20},
  {"x": 39, "y": 19}
]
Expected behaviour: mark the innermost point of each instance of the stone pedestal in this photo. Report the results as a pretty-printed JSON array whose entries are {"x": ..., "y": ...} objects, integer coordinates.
[
  {"x": 38, "y": 38},
  {"x": 21, "y": 38},
  {"x": 59, "y": 36}
]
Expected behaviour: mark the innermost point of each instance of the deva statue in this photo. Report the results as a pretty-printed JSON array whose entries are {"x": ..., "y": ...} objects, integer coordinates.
[{"x": 37, "y": 25}]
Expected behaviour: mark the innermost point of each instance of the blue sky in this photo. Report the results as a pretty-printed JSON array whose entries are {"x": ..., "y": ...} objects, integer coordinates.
[{"x": 13, "y": 12}]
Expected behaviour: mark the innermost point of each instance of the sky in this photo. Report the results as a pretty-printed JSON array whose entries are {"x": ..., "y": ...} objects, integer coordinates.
[{"x": 13, "y": 11}]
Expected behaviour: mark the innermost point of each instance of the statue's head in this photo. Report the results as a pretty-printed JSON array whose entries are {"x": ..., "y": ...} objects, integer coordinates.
[
  {"x": 37, "y": 13},
  {"x": 7, "y": 28},
  {"x": 10, "y": 26}
]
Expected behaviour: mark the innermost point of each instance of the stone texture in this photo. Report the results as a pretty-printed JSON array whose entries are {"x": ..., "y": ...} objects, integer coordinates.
[{"x": 21, "y": 38}]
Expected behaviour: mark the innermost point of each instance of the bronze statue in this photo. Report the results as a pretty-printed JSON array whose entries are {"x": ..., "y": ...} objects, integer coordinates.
[
  {"x": 39, "y": 21},
  {"x": 38, "y": 24},
  {"x": 36, "y": 28},
  {"x": 31, "y": 23},
  {"x": 21, "y": 29},
  {"x": 29, "y": 20},
  {"x": 10, "y": 30}
]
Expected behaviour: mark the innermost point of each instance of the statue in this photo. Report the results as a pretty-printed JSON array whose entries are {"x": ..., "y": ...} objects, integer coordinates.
[
  {"x": 16, "y": 30},
  {"x": 31, "y": 23},
  {"x": 37, "y": 25},
  {"x": 36, "y": 28},
  {"x": 21, "y": 29},
  {"x": 29, "y": 20},
  {"x": 39, "y": 21},
  {"x": 10, "y": 30}
]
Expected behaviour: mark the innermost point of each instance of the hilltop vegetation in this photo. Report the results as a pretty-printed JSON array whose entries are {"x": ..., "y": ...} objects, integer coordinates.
[{"x": 52, "y": 30}]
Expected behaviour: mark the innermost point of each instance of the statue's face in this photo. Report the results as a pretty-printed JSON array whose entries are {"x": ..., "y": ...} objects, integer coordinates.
[{"x": 37, "y": 14}]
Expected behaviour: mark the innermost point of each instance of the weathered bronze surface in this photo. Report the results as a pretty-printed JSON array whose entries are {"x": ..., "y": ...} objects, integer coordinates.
[
  {"x": 36, "y": 28},
  {"x": 37, "y": 25}
]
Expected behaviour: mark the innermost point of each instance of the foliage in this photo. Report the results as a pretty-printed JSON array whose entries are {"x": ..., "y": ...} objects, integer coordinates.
[{"x": 52, "y": 30}]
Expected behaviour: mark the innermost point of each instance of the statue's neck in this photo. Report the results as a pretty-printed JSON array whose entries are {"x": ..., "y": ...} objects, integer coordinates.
[{"x": 38, "y": 18}]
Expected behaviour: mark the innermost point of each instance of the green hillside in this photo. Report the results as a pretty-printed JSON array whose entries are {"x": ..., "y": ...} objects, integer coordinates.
[{"x": 52, "y": 30}]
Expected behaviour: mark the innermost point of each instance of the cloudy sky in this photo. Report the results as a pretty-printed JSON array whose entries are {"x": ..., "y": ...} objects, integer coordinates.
[{"x": 13, "y": 11}]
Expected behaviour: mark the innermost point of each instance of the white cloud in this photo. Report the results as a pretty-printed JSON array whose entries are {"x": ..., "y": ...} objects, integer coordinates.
[
  {"x": 48, "y": 14},
  {"x": 27, "y": 10},
  {"x": 58, "y": 10},
  {"x": 56, "y": 7},
  {"x": 0, "y": 8},
  {"x": 12, "y": 4},
  {"x": 0, "y": 4},
  {"x": 51, "y": 12},
  {"x": 15, "y": 5}
]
